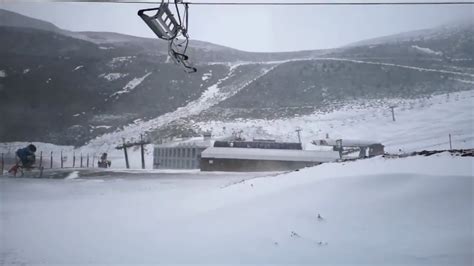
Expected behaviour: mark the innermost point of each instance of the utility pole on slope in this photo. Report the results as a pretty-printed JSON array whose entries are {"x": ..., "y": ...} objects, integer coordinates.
[
  {"x": 126, "y": 145},
  {"x": 393, "y": 112},
  {"x": 450, "y": 143},
  {"x": 298, "y": 131}
]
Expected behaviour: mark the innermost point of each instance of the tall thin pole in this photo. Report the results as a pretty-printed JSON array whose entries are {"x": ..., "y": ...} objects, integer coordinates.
[
  {"x": 126, "y": 155},
  {"x": 81, "y": 159},
  {"x": 41, "y": 159},
  {"x": 339, "y": 147},
  {"x": 74, "y": 160},
  {"x": 62, "y": 161},
  {"x": 450, "y": 143},
  {"x": 393, "y": 112},
  {"x": 142, "y": 151},
  {"x": 51, "y": 162},
  {"x": 298, "y": 131},
  {"x": 88, "y": 160}
]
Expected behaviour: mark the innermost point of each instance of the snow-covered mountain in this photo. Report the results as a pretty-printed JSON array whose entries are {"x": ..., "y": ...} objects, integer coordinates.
[{"x": 85, "y": 87}]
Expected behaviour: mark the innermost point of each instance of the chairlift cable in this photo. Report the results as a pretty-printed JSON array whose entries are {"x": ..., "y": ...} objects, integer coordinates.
[
  {"x": 347, "y": 3},
  {"x": 327, "y": 3}
]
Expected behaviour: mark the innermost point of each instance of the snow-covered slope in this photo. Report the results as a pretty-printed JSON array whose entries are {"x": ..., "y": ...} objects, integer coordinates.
[
  {"x": 411, "y": 211},
  {"x": 420, "y": 124},
  {"x": 239, "y": 76}
]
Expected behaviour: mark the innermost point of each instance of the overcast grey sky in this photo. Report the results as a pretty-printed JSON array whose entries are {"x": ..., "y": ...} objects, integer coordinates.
[{"x": 255, "y": 28}]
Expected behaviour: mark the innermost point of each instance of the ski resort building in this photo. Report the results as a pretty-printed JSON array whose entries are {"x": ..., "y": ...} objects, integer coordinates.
[
  {"x": 257, "y": 159},
  {"x": 180, "y": 155}
]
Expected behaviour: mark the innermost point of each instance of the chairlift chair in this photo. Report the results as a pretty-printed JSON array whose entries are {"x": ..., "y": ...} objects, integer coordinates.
[
  {"x": 168, "y": 28},
  {"x": 163, "y": 23}
]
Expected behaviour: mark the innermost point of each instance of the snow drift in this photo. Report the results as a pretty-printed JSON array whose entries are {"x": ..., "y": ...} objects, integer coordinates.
[{"x": 416, "y": 210}]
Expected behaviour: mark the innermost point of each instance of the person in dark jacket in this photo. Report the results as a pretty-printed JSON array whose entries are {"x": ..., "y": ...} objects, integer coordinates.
[
  {"x": 27, "y": 155},
  {"x": 25, "y": 158}
]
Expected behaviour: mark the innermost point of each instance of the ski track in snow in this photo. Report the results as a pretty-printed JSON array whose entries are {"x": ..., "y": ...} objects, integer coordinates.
[
  {"x": 402, "y": 66},
  {"x": 421, "y": 69}
]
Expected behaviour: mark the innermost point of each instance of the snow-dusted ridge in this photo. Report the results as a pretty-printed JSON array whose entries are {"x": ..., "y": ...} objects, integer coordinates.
[{"x": 215, "y": 94}]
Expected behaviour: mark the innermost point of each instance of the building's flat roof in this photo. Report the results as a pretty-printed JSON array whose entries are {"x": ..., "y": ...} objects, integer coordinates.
[
  {"x": 346, "y": 142},
  {"x": 270, "y": 154},
  {"x": 192, "y": 142}
]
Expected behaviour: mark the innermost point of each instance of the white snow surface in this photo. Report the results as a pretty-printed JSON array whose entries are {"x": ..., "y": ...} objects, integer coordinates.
[
  {"x": 131, "y": 85},
  {"x": 207, "y": 75},
  {"x": 411, "y": 211},
  {"x": 72, "y": 175},
  {"x": 117, "y": 61},
  {"x": 78, "y": 67},
  {"x": 427, "y": 50},
  {"x": 113, "y": 76},
  {"x": 101, "y": 126}
]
